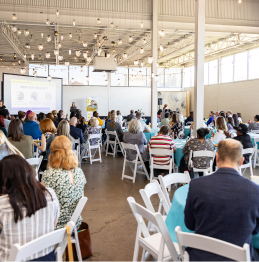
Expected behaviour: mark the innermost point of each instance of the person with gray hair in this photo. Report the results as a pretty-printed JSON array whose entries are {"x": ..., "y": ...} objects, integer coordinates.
[
  {"x": 135, "y": 136},
  {"x": 75, "y": 132},
  {"x": 93, "y": 129},
  {"x": 229, "y": 113},
  {"x": 144, "y": 127},
  {"x": 178, "y": 126}
]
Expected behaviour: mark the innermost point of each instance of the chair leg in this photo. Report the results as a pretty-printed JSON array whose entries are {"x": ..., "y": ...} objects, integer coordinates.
[
  {"x": 78, "y": 250},
  {"x": 90, "y": 154},
  {"x": 151, "y": 173},
  {"x": 107, "y": 145},
  {"x": 100, "y": 155},
  {"x": 135, "y": 172},
  {"x": 255, "y": 158},
  {"x": 251, "y": 170},
  {"x": 123, "y": 169},
  {"x": 136, "y": 248},
  {"x": 114, "y": 149}
]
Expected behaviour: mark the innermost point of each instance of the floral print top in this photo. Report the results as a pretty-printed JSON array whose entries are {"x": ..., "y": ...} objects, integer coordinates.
[
  {"x": 177, "y": 128},
  {"x": 196, "y": 145},
  {"x": 89, "y": 131},
  {"x": 68, "y": 194}
]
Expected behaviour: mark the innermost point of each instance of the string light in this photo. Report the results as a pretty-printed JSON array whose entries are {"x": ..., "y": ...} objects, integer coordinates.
[
  {"x": 24, "y": 56},
  {"x": 239, "y": 1},
  {"x": 98, "y": 21},
  {"x": 47, "y": 22},
  {"x": 48, "y": 38},
  {"x": 66, "y": 63},
  {"x": 135, "y": 62},
  {"x": 41, "y": 35},
  {"x": 23, "y": 71},
  {"x": 40, "y": 47},
  {"x": 144, "y": 41},
  {"x": 161, "y": 48},
  {"x": 75, "y": 59},
  {"x": 27, "y": 45},
  {"x": 142, "y": 64},
  {"x": 19, "y": 32},
  {"x": 61, "y": 37},
  {"x": 150, "y": 59},
  {"x": 19, "y": 61},
  {"x": 74, "y": 22},
  {"x": 60, "y": 57},
  {"x": 47, "y": 55},
  {"x": 84, "y": 44},
  {"x": 82, "y": 69},
  {"x": 130, "y": 38},
  {"x": 59, "y": 45},
  {"x": 69, "y": 51},
  {"x": 141, "y": 50},
  {"x": 125, "y": 55},
  {"x": 95, "y": 35},
  {"x": 14, "y": 28},
  {"x": 141, "y": 24},
  {"x": 70, "y": 36},
  {"x": 89, "y": 59},
  {"x": 119, "y": 42},
  {"x": 112, "y": 25},
  {"x": 32, "y": 56},
  {"x": 57, "y": 13},
  {"x": 108, "y": 55},
  {"x": 14, "y": 17},
  {"x": 55, "y": 51},
  {"x": 99, "y": 51},
  {"x": 78, "y": 53},
  {"x": 26, "y": 32},
  {"x": 85, "y": 55}
]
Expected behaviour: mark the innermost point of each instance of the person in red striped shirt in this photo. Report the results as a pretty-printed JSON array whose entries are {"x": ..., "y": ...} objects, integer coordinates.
[{"x": 163, "y": 140}]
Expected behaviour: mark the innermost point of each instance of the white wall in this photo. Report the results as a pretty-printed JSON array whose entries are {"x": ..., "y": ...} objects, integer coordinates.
[{"x": 239, "y": 96}]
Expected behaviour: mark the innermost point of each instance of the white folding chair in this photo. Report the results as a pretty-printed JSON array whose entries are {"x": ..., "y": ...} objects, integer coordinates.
[
  {"x": 212, "y": 245},
  {"x": 161, "y": 152},
  {"x": 171, "y": 179},
  {"x": 36, "y": 153},
  {"x": 77, "y": 142},
  {"x": 256, "y": 140},
  {"x": 159, "y": 245},
  {"x": 255, "y": 131},
  {"x": 88, "y": 148},
  {"x": 250, "y": 151},
  {"x": 152, "y": 189},
  {"x": 202, "y": 153},
  {"x": 35, "y": 162},
  {"x": 20, "y": 253},
  {"x": 80, "y": 206},
  {"x": 113, "y": 143},
  {"x": 137, "y": 162}
]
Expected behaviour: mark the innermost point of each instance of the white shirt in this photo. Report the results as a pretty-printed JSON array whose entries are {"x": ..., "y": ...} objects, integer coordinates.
[
  {"x": 240, "y": 119},
  {"x": 218, "y": 136},
  {"x": 119, "y": 119}
]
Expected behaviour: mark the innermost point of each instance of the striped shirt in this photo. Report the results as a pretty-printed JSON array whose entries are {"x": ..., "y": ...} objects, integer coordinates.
[
  {"x": 27, "y": 229},
  {"x": 161, "y": 142}
]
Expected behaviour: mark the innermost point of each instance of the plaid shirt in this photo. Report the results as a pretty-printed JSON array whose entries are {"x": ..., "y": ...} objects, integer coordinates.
[{"x": 27, "y": 229}]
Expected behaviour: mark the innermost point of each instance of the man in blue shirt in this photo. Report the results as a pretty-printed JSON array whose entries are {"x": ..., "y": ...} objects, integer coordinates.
[
  {"x": 75, "y": 132},
  {"x": 31, "y": 128},
  {"x": 211, "y": 118}
]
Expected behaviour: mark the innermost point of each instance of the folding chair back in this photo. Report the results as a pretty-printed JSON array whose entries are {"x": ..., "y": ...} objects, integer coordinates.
[
  {"x": 36, "y": 162},
  {"x": 171, "y": 179},
  {"x": 159, "y": 153},
  {"x": 137, "y": 162},
  {"x": 159, "y": 245},
  {"x": 113, "y": 143},
  {"x": 19, "y": 253},
  {"x": 77, "y": 143},
  {"x": 250, "y": 151},
  {"x": 211, "y": 245},
  {"x": 255, "y": 131},
  {"x": 256, "y": 140}
]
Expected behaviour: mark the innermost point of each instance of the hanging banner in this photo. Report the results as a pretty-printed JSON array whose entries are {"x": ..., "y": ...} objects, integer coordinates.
[{"x": 91, "y": 106}]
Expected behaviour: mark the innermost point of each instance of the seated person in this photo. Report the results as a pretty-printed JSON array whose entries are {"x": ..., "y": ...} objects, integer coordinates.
[
  {"x": 81, "y": 124},
  {"x": 115, "y": 126},
  {"x": 75, "y": 132},
  {"x": 221, "y": 129},
  {"x": 2, "y": 125},
  {"x": 136, "y": 136},
  {"x": 161, "y": 141},
  {"x": 223, "y": 205},
  {"x": 165, "y": 121},
  {"x": 254, "y": 125},
  {"x": 211, "y": 118},
  {"x": 93, "y": 129},
  {"x": 159, "y": 114},
  {"x": 65, "y": 178},
  {"x": 189, "y": 119},
  {"x": 96, "y": 114},
  {"x": 31, "y": 128},
  {"x": 197, "y": 144},
  {"x": 244, "y": 139},
  {"x": 22, "y": 116},
  {"x": 131, "y": 115},
  {"x": 178, "y": 126},
  {"x": 144, "y": 127},
  {"x": 28, "y": 208},
  {"x": 230, "y": 123}
]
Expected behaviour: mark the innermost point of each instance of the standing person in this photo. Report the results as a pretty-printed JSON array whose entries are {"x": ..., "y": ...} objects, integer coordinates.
[
  {"x": 65, "y": 178},
  {"x": 165, "y": 121},
  {"x": 73, "y": 110},
  {"x": 131, "y": 115},
  {"x": 115, "y": 126},
  {"x": 22, "y": 116},
  {"x": 28, "y": 208},
  {"x": 255, "y": 124},
  {"x": 221, "y": 129},
  {"x": 165, "y": 110},
  {"x": 31, "y": 128},
  {"x": 2, "y": 125},
  {"x": 223, "y": 205},
  {"x": 239, "y": 118},
  {"x": 2, "y": 106},
  {"x": 6, "y": 115},
  {"x": 119, "y": 117},
  {"x": 17, "y": 138},
  {"x": 76, "y": 132}
]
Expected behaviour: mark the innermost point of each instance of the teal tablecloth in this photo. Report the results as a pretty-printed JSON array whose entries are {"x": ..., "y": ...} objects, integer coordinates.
[
  {"x": 148, "y": 135},
  {"x": 253, "y": 136},
  {"x": 178, "y": 155},
  {"x": 176, "y": 215}
]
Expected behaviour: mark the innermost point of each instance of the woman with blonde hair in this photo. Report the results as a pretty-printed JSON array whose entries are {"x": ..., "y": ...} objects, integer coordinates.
[
  {"x": 92, "y": 130},
  {"x": 221, "y": 129},
  {"x": 65, "y": 178},
  {"x": 6, "y": 148},
  {"x": 115, "y": 126},
  {"x": 63, "y": 130}
]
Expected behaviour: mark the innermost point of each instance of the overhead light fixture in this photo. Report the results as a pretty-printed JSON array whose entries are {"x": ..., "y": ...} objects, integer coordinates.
[
  {"x": 141, "y": 50},
  {"x": 130, "y": 38},
  {"x": 85, "y": 55},
  {"x": 14, "y": 28},
  {"x": 56, "y": 52},
  {"x": 75, "y": 59},
  {"x": 69, "y": 51},
  {"x": 81, "y": 68},
  {"x": 40, "y": 47},
  {"x": 95, "y": 35},
  {"x": 27, "y": 45},
  {"x": 74, "y": 22},
  {"x": 87, "y": 78},
  {"x": 48, "y": 38},
  {"x": 84, "y": 44},
  {"x": 32, "y": 56},
  {"x": 14, "y": 17},
  {"x": 24, "y": 56},
  {"x": 19, "y": 32},
  {"x": 19, "y": 61},
  {"x": 239, "y": 1},
  {"x": 57, "y": 13},
  {"x": 144, "y": 41},
  {"x": 99, "y": 51},
  {"x": 79, "y": 40},
  {"x": 141, "y": 24},
  {"x": 120, "y": 58},
  {"x": 70, "y": 36},
  {"x": 60, "y": 57},
  {"x": 119, "y": 42},
  {"x": 78, "y": 53},
  {"x": 47, "y": 55},
  {"x": 142, "y": 64},
  {"x": 113, "y": 51},
  {"x": 136, "y": 63},
  {"x": 59, "y": 45},
  {"x": 112, "y": 24},
  {"x": 98, "y": 21},
  {"x": 89, "y": 59},
  {"x": 61, "y": 37},
  {"x": 26, "y": 32},
  {"x": 47, "y": 22},
  {"x": 108, "y": 55},
  {"x": 150, "y": 59},
  {"x": 112, "y": 43},
  {"x": 66, "y": 63},
  {"x": 161, "y": 48},
  {"x": 162, "y": 33},
  {"x": 49, "y": 77},
  {"x": 23, "y": 71},
  {"x": 125, "y": 55},
  {"x": 31, "y": 38}
]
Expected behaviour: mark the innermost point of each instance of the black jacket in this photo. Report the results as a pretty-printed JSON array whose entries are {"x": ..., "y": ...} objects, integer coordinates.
[
  {"x": 246, "y": 141},
  {"x": 225, "y": 206},
  {"x": 129, "y": 117}
]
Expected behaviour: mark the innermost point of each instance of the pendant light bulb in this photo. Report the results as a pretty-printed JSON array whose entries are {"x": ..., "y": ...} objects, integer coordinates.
[
  {"x": 82, "y": 69},
  {"x": 150, "y": 59},
  {"x": 14, "y": 28},
  {"x": 74, "y": 22},
  {"x": 141, "y": 50},
  {"x": 161, "y": 48},
  {"x": 84, "y": 44},
  {"x": 141, "y": 24},
  {"x": 95, "y": 35},
  {"x": 66, "y": 63},
  {"x": 61, "y": 37},
  {"x": 78, "y": 53},
  {"x": 57, "y": 13},
  {"x": 26, "y": 32},
  {"x": 47, "y": 55},
  {"x": 19, "y": 32},
  {"x": 47, "y": 22},
  {"x": 32, "y": 56},
  {"x": 40, "y": 47},
  {"x": 48, "y": 38},
  {"x": 70, "y": 36},
  {"x": 120, "y": 42},
  {"x": 14, "y": 17},
  {"x": 87, "y": 78},
  {"x": 112, "y": 25},
  {"x": 85, "y": 55},
  {"x": 125, "y": 55},
  {"x": 108, "y": 55},
  {"x": 98, "y": 21},
  {"x": 69, "y": 51},
  {"x": 130, "y": 38}
]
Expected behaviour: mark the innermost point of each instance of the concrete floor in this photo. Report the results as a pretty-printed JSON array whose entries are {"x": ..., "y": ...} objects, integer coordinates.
[{"x": 111, "y": 222}]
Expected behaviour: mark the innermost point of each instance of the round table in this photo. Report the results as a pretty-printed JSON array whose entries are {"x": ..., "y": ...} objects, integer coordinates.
[
  {"x": 175, "y": 216},
  {"x": 178, "y": 155},
  {"x": 148, "y": 135},
  {"x": 253, "y": 136}
]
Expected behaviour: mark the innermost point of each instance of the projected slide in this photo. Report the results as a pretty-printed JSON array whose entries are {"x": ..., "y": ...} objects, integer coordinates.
[
  {"x": 38, "y": 96},
  {"x": 30, "y": 93}
]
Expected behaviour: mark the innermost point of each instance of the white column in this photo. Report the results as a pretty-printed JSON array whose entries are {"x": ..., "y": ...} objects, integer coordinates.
[
  {"x": 154, "y": 66},
  {"x": 109, "y": 91},
  {"x": 199, "y": 64}
]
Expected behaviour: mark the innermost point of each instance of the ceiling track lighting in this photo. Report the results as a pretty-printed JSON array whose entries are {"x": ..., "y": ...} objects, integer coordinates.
[
  {"x": 81, "y": 68},
  {"x": 99, "y": 51}
]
